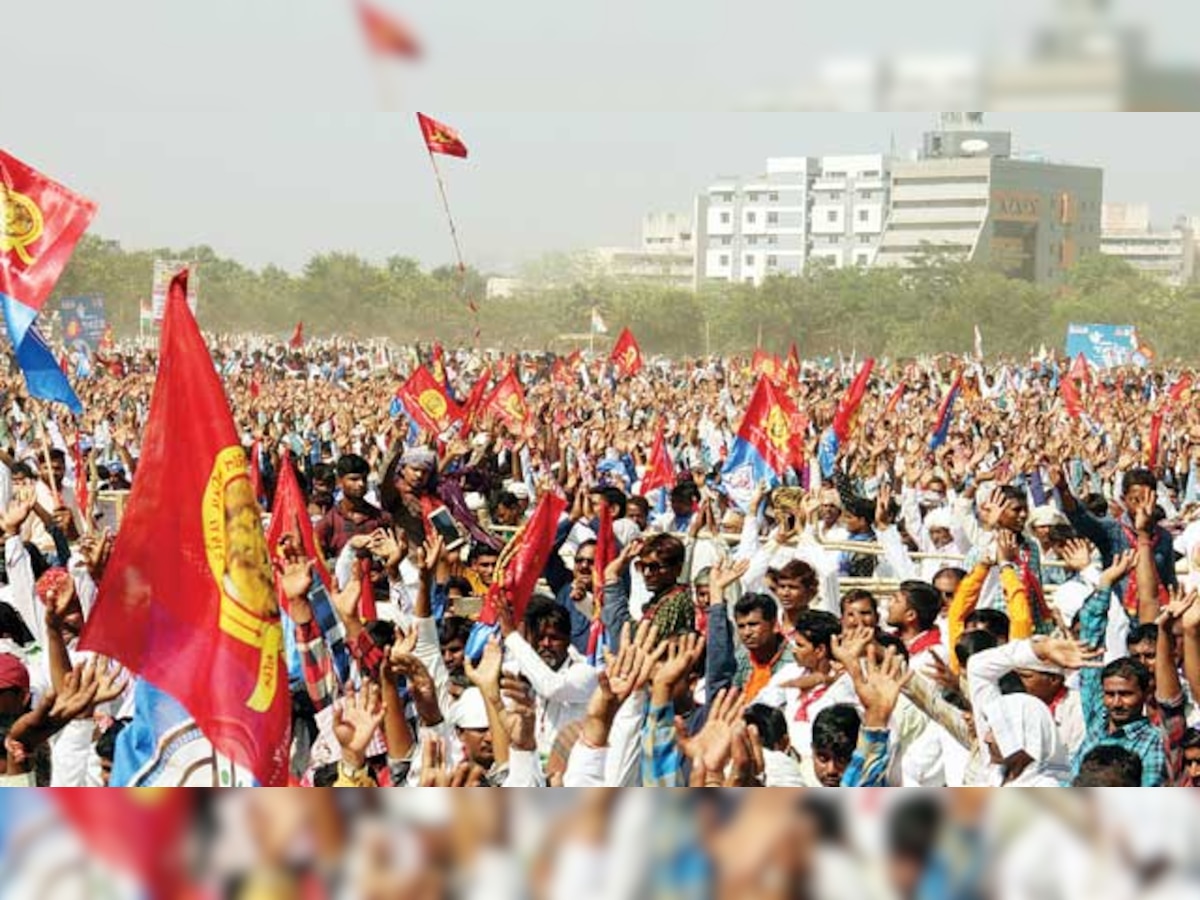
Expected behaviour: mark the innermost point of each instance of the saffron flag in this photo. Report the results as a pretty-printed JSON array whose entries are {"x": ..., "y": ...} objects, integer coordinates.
[
  {"x": 139, "y": 832},
  {"x": 606, "y": 552},
  {"x": 793, "y": 363},
  {"x": 661, "y": 473},
  {"x": 40, "y": 223},
  {"x": 1070, "y": 396},
  {"x": 386, "y": 35},
  {"x": 297, "y": 340},
  {"x": 427, "y": 403},
  {"x": 189, "y": 589},
  {"x": 843, "y": 418},
  {"x": 769, "y": 442},
  {"x": 894, "y": 399},
  {"x": 441, "y": 138},
  {"x": 627, "y": 355},
  {"x": 508, "y": 404},
  {"x": 945, "y": 416}
]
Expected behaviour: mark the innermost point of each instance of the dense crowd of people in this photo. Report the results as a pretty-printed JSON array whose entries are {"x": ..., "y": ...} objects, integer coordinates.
[{"x": 1016, "y": 606}]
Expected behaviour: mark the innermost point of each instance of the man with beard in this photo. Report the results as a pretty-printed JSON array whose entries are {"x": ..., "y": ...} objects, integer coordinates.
[{"x": 562, "y": 680}]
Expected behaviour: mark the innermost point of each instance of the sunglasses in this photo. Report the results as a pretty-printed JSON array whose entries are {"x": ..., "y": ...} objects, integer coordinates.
[
  {"x": 584, "y": 561},
  {"x": 651, "y": 567}
]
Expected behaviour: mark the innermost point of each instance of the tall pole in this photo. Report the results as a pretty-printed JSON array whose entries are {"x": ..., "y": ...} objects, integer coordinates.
[{"x": 462, "y": 266}]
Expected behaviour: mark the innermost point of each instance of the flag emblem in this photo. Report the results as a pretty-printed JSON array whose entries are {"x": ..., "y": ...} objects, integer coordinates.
[
  {"x": 23, "y": 224},
  {"x": 778, "y": 431},
  {"x": 237, "y": 555},
  {"x": 433, "y": 403}
]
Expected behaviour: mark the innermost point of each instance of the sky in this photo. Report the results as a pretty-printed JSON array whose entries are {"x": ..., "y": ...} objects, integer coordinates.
[{"x": 260, "y": 127}]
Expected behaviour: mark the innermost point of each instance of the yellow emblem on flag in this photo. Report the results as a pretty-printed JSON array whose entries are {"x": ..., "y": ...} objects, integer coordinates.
[
  {"x": 21, "y": 225},
  {"x": 433, "y": 403},
  {"x": 241, "y": 566},
  {"x": 514, "y": 407},
  {"x": 777, "y": 429}
]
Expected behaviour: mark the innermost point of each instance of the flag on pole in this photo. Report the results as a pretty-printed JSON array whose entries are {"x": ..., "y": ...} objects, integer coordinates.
[
  {"x": 508, "y": 404},
  {"x": 297, "y": 339},
  {"x": 843, "y": 418},
  {"x": 188, "y": 598},
  {"x": 474, "y": 405},
  {"x": 768, "y": 443},
  {"x": 598, "y": 326},
  {"x": 1156, "y": 422},
  {"x": 793, "y": 363},
  {"x": 1181, "y": 389},
  {"x": 426, "y": 402},
  {"x": 441, "y": 138},
  {"x": 41, "y": 221},
  {"x": 627, "y": 355},
  {"x": 386, "y": 35},
  {"x": 606, "y": 552},
  {"x": 945, "y": 416},
  {"x": 894, "y": 399},
  {"x": 290, "y": 513},
  {"x": 439, "y": 365},
  {"x": 661, "y": 473},
  {"x": 768, "y": 364},
  {"x": 1070, "y": 396}
]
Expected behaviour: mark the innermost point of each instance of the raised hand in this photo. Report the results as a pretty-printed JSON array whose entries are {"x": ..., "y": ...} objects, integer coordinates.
[
  {"x": 748, "y": 764},
  {"x": 714, "y": 744},
  {"x": 633, "y": 664},
  {"x": 519, "y": 713},
  {"x": 295, "y": 577},
  {"x": 486, "y": 675},
  {"x": 723, "y": 574},
  {"x": 880, "y": 686},
  {"x": 355, "y": 721},
  {"x": 1076, "y": 554},
  {"x": 850, "y": 647},
  {"x": 1006, "y": 546},
  {"x": 614, "y": 570},
  {"x": 682, "y": 654},
  {"x": 1068, "y": 653},
  {"x": 1122, "y": 564}
]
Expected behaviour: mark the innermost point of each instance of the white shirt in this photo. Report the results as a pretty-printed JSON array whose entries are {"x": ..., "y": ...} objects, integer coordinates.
[{"x": 562, "y": 694}]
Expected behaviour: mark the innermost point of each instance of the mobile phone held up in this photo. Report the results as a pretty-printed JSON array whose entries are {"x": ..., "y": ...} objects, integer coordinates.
[{"x": 443, "y": 523}]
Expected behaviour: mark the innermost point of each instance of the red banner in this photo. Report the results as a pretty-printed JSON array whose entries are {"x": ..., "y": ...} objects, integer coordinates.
[
  {"x": 772, "y": 426},
  {"x": 441, "y": 138},
  {"x": 427, "y": 403},
  {"x": 627, "y": 355}
]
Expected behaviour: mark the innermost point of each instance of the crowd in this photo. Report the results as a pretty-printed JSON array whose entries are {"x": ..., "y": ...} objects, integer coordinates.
[{"x": 1016, "y": 606}]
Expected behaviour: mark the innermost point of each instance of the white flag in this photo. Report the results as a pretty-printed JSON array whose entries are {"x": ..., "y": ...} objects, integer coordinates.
[{"x": 598, "y": 326}]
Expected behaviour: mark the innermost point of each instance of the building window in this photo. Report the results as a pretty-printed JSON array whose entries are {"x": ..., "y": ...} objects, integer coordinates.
[
  {"x": 835, "y": 195},
  {"x": 749, "y": 259},
  {"x": 831, "y": 216},
  {"x": 864, "y": 239},
  {"x": 752, "y": 240},
  {"x": 772, "y": 239},
  {"x": 726, "y": 241},
  {"x": 751, "y": 218},
  {"x": 835, "y": 174},
  {"x": 772, "y": 262},
  {"x": 862, "y": 259},
  {"x": 772, "y": 218},
  {"x": 864, "y": 215},
  {"x": 774, "y": 198},
  {"x": 724, "y": 218},
  {"x": 874, "y": 173},
  {"x": 865, "y": 195},
  {"x": 749, "y": 279},
  {"x": 724, "y": 259},
  {"x": 753, "y": 198}
]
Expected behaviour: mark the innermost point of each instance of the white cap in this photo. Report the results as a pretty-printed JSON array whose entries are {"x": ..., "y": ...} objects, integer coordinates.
[
  {"x": 474, "y": 500},
  {"x": 469, "y": 711}
]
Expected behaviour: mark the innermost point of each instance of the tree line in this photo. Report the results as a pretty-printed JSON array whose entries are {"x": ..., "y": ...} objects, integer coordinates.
[{"x": 887, "y": 312}]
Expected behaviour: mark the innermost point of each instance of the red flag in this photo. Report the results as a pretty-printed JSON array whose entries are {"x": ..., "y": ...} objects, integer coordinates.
[
  {"x": 256, "y": 479},
  {"x": 894, "y": 399},
  {"x": 525, "y": 558},
  {"x": 508, "y": 404},
  {"x": 849, "y": 403},
  {"x": 138, "y": 831},
  {"x": 386, "y": 35},
  {"x": 439, "y": 364},
  {"x": 297, "y": 340},
  {"x": 107, "y": 340},
  {"x": 441, "y": 138},
  {"x": 427, "y": 403},
  {"x": 64, "y": 363},
  {"x": 772, "y": 427},
  {"x": 1080, "y": 370},
  {"x": 188, "y": 599},
  {"x": 627, "y": 355},
  {"x": 768, "y": 365},
  {"x": 1180, "y": 389},
  {"x": 1156, "y": 422},
  {"x": 40, "y": 223},
  {"x": 255, "y": 388},
  {"x": 290, "y": 512},
  {"x": 474, "y": 405},
  {"x": 793, "y": 362},
  {"x": 1070, "y": 397},
  {"x": 606, "y": 552},
  {"x": 661, "y": 473}
]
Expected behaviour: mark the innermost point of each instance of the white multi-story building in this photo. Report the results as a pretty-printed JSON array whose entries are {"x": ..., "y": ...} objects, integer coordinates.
[
  {"x": 666, "y": 255},
  {"x": 803, "y": 208},
  {"x": 1166, "y": 254}
]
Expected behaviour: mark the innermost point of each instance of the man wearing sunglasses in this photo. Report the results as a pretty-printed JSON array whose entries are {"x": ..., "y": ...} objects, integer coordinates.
[{"x": 660, "y": 561}]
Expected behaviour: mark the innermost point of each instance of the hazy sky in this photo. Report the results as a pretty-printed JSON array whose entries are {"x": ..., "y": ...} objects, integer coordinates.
[{"x": 256, "y": 126}]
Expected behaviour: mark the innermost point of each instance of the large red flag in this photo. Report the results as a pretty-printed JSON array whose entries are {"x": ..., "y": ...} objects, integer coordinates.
[
  {"x": 188, "y": 599},
  {"x": 1080, "y": 369},
  {"x": 793, "y": 363},
  {"x": 297, "y": 340},
  {"x": 523, "y": 560},
  {"x": 386, "y": 35},
  {"x": 627, "y": 355},
  {"x": 40, "y": 223},
  {"x": 1070, "y": 397},
  {"x": 139, "y": 831},
  {"x": 849, "y": 403},
  {"x": 441, "y": 138},
  {"x": 1180, "y": 389},
  {"x": 764, "y": 363},
  {"x": 426, "y": 401},
  {"x": 606, "y": 552},
  {"x": 772, "y": 426},
  {"x": 661, "y": 473},
  {"x": 1156, "y": 422},
  {"x": 83, "y": 491},
  {"x": 508, "y": 404},
  {"x": 290, "y": 513}
]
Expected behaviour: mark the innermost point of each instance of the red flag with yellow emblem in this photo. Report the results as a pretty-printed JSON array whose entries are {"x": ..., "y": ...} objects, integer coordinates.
[
  {"x": 773, "y": 426},
  {"x": 385, "y": 34},
  {"x": 627, "y": 355},
  {"x": 427, "y": 403},
  {"x": 507, "y": 403},
  {"x": 441, "y": 138},
  {"x": 188, "y": 598}
]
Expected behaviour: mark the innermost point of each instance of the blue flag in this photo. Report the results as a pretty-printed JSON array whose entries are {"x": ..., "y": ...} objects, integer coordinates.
[{"x": 43, "y": 376}]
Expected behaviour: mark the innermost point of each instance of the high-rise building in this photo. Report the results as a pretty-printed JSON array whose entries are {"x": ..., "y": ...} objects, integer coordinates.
[
  {"x": 1167, "y": 254},
  {"x": 966, "y": 196},
  {"x": 802, "y": 208}
]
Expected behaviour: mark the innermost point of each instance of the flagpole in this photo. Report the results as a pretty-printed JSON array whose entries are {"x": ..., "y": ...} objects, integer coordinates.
[{"x": 462, "y": 266}]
